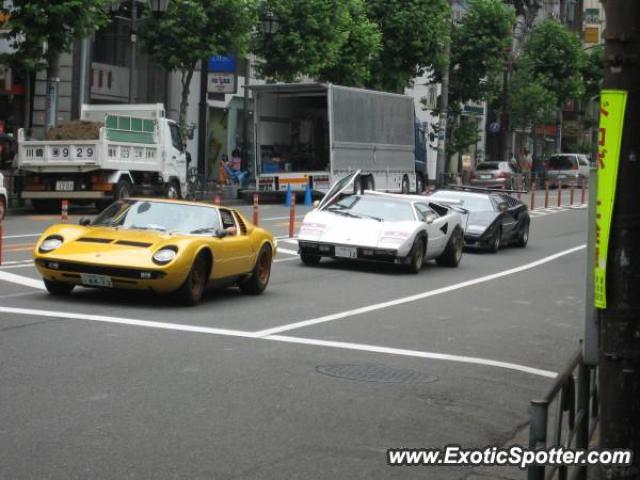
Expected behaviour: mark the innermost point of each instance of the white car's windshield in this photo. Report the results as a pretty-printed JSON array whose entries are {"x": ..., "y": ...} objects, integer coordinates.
[
  {"x": 378, "y": 208},
  {"x": 473, "y": 203},
  {"x": 161, "y": 216}
]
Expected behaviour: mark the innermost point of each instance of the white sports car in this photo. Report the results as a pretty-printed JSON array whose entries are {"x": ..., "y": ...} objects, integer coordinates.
[{"x": 383, "y": 227}]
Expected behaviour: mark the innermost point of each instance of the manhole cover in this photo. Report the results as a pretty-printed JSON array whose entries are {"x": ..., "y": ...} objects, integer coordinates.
[{"x": 375, "y": 373}]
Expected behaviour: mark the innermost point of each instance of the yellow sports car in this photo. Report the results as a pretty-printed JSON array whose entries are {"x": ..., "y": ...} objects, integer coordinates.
[{"x": 165, "y": 246}]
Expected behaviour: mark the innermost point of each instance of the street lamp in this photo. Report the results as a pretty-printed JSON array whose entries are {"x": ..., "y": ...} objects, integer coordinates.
[
  {"x": 270, "y": 23},
  {"x": 158, "y": 6}
]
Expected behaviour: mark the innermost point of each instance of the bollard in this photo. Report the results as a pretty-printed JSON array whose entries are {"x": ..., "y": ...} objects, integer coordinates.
[
  {"x": 539, "y": 411},
  {"x": 292, "y": 214},
  {"x": 1, "y": 235},
  {"x": 546, "y": 194},
  {"x": 255, "y": 208},
  {"x": 65, "y": 211},
  {"x": 533, "y": 196},
  {"x": 571, "y": 193},
  {"x": 582, "y": 194},
  {"x": 559, "y": 193},
  {"x": 216, "y": 199}
]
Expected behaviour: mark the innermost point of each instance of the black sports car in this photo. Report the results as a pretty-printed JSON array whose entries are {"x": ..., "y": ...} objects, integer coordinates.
[{"x": 494, "y": 218}]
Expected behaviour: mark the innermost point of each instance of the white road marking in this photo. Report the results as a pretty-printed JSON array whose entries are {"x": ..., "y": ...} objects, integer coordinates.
[
  {"x": 413, "y": 353},
  {"x": 290, "y": 240},
  {"x": 287, "y": 251},
  {"x": 15, "y": 262},
  {"x": 285, "y": 237},
  {"x": 21, "y": 280},
  {"x": 281, "y": 338},
  {"x": 128, "y": 321},
  {"x": 11, "y": 267},
  {"x": 288, "y": 259},
  {"x": 280, "y": 218},
  {"x": 419, "y": 296},
  {"x": 23, "y": 236}
]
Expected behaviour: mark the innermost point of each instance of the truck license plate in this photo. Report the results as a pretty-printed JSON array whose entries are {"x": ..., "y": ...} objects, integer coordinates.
[
  {"x": 64, "y": 186},
  {"x": 92, "y": 280},
  {"x": 346, "y": 252}
]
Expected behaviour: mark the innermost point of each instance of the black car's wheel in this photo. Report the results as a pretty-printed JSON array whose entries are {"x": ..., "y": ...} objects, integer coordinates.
[
  {"x": 523, "y": 237},
  {"x": 405, "y": 185},
  {"x": 416, "y": 257},
  {"x": 58, "y": 288},
  {"x": 496, "y": 241},
  {"x": 310, "y": 259},
  {"x": 259, "y": 279},
  {"x": 190, "y": 292},
  {"x": 453, "y": 252}
]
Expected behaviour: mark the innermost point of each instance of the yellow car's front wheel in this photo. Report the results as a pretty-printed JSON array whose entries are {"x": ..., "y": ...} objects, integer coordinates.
[
  {"x": 58, "y": 288},
  {"x": 190, "y": 292}
]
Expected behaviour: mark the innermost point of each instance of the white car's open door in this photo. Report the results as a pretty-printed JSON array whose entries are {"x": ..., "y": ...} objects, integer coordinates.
[{"x": 337, "y": 188}]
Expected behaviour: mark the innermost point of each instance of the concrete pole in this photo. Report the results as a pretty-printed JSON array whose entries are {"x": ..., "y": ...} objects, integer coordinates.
[
  {"x": 134, "y": 45},
  {"x": 619, "y": 356},
  {"x": 444, "y": 109}
]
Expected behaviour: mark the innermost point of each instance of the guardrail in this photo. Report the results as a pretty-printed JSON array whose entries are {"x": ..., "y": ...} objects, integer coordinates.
[{"x": 575, "y": 405}]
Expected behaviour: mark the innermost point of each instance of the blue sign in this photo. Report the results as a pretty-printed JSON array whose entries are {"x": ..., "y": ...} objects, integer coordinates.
[{"x": 221, "y": 63}]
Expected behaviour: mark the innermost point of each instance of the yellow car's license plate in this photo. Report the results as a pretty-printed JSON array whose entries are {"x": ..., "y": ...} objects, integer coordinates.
[{"x": 92, "y": 280}]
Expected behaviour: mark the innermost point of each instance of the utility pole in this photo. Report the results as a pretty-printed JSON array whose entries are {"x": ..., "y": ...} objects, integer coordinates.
[
  {"x": 134, "y": 46},
  {"x": 444, "y": 112},
  {"x": 202, "y": 116},
  {"x": 619, "y": 355}
]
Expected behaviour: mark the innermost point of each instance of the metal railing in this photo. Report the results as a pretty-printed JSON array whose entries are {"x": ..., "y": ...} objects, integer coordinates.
[{"x": 575, "y": 404}]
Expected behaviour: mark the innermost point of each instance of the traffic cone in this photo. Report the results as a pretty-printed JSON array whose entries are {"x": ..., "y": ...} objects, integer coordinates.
[
  {"x": 287, "y": 198},
  {"x": 308, "y": 200}
]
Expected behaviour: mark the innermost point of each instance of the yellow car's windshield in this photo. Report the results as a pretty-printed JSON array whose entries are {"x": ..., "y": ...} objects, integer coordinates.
[{"x": 160, "y": 216}]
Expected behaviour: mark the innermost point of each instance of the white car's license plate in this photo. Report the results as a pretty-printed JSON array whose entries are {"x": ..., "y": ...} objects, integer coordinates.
[
  {"x": 64, "y": 186},
  {"x": 92, "y": 280},
  {"x": 484, "y": 177},
  {"x": 346, "y": 252}
]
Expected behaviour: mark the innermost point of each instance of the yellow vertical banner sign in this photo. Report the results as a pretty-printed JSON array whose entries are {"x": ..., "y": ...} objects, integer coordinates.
[{"x": 612, "y": 108}]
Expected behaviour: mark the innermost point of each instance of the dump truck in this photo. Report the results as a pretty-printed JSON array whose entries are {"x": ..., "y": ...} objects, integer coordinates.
[
  {"x": 114, "y": 151},
  {"x": 310, "y": 134}
]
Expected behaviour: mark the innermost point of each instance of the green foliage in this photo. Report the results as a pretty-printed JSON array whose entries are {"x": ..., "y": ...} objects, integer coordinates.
[
  {"x": 593, "y": 71},
  {"x": 554, "y": 57},
  {"x": 478, "y": 50},
  {"x": 34, "y": 23},
  {"x": 461, "y": 137},
  {"x": 413, "y": 37},
  {"x": 354, "y": 57},
  {"x": 192, "y": 30},
  {"x": 325, "y": 39},
  {"x": 531, "y": 102},
  {"x": 195, "y": 29}
]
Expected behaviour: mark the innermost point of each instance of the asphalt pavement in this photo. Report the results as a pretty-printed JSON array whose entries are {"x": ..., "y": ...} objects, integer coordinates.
[{"x": 314, "y": 379}]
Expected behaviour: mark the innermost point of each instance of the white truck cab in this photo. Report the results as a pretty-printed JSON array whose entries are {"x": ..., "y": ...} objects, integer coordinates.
[{"x": 138, "y": 152}]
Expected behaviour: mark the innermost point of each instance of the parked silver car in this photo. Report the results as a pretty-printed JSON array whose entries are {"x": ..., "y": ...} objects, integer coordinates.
[
  {"x": 568, "y": 169},
  {"x": 496, "y": 175}
]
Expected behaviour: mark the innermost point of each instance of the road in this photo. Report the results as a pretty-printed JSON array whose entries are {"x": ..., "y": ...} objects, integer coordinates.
[{"x": 315, "y": 379}]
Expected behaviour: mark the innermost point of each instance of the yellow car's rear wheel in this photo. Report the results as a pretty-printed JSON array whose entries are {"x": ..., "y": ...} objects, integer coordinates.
[
  {"x": 190, "y": 292},
  {"x": 259, "y": 279}
]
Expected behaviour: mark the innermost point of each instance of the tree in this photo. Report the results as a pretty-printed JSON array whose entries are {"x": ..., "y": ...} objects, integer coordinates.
[
  {"x": 593, "y": 71},
  {"x": 531, "y": 103},
  {"x": 194, "y": 30},
  {"x": 478, "y": 43},
  {"x": 324, "y": 39},
  {"x": 553, "y": 56},
  {"x": 40, "y": 30},
  {"x": 413, "y": 38},
  {"x": 477, "y": 50}
]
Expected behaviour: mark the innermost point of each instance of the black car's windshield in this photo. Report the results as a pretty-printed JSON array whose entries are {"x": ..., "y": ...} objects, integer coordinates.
[
  {"x": 378, "y": 208},
  {"x": 160, "y": 216},
  {"x": 561, "y": 163},
  {"x": 471, "y": 202}
]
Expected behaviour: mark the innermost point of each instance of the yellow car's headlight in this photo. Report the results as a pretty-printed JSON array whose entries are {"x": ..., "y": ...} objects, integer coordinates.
[
  {"x": 165, "y": 255},
  {"x": 50, "y": 243}
]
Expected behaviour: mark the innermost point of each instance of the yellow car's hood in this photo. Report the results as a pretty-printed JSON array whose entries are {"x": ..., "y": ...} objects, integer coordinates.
[{"x": 108, "y": 246}]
